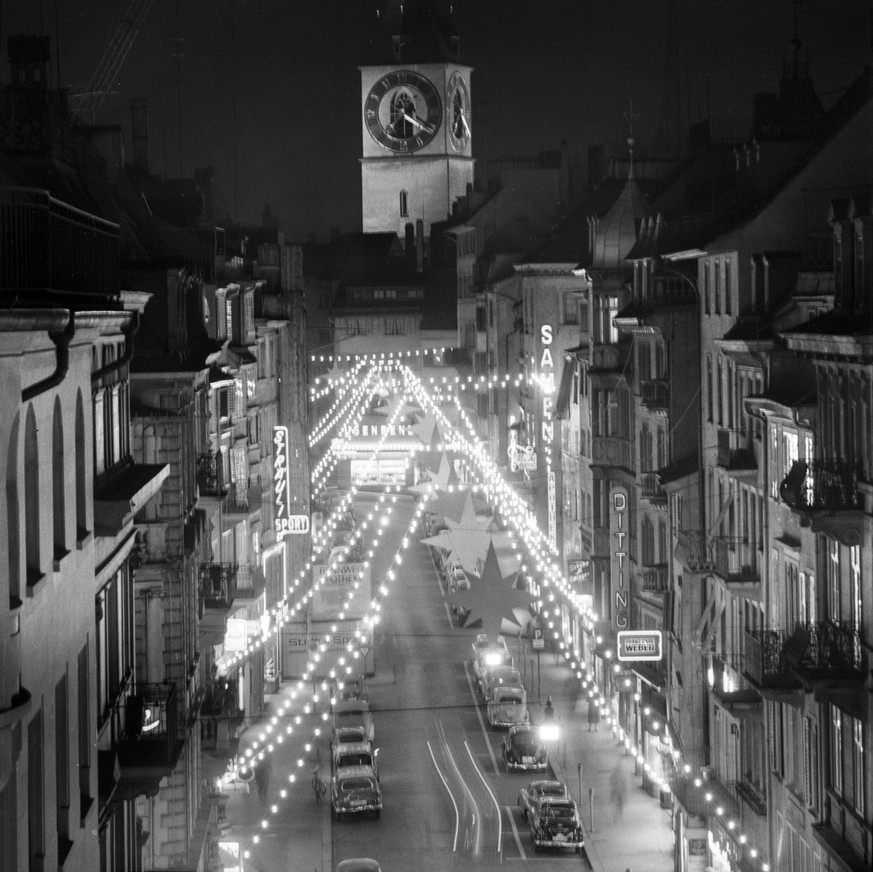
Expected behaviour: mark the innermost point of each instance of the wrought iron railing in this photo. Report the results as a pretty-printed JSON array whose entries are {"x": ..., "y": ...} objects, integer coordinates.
[
  {"x": 827, "y": 649},
  {"x": 825, "y": 483},
  {"x": 654, "y": 579},
  {"x": 151, "y": 724},
  {"x": 652, "y": 490},
  {"x": 736, "y": 558},
  {"x": 734, "y": 451},
  {"x": 210, "y": 475},
  {"x": 218, "y": 584},
  {"x": 654, "y": 393},
  {"x": 765, "y": 658}
]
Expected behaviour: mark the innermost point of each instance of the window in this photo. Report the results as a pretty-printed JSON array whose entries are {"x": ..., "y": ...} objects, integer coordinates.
[
  {"x": 84, "y": 713},
  {"x": 707, "y": 286},
  {"x": 837, "y": 749},
  {"x": 710, "y": 391},
  {"x": 62, "y": 760},
  {"x": 59, "y": 514},
  {"x": 833, "y": 578},
  {"x": 32, "y": 500},
  {"x": 404, "y": 204},
  {"x": 859, "y": 767},
  {"x": 569, "y": 309},
  {"x": 35, "y": 792},
  {"x": 716, "y": 290},
  {"x": 81, "y": 489},
  {"x": 811, "y": 779}
]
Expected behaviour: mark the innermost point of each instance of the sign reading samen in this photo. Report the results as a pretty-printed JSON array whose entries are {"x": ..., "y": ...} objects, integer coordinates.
[{"x": 639, "y": 645}]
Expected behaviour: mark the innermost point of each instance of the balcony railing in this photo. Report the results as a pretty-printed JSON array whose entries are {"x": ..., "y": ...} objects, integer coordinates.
[
  {"x": 50, "y": 246},
  {"x": 210, "y": 476},
  {"x": 827, "y": 483},
  {"x": 736, "y": 559},
  {"x": 652, "y": 490},
  {"x": 765, "y": 659},
  {"x": 612, "y": 451},
  {"x": 825, "y": 649},
  {"x": 151, "y": 726},
  {"x": 655, "y": 579},
  {"x": 654, "y": 393},
  {"x": 734, "y": 451},
  {"x": 218, "y": 584}
]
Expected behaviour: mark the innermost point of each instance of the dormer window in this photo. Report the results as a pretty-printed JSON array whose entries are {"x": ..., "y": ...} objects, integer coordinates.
[{"x": 404, "y": 204}]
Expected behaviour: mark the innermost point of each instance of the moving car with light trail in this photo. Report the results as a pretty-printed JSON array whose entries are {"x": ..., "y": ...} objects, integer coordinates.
[
  {"x": 355, "y": 790},
  {"x": 529, "y": 796},
  {"x": 554, "y": 823},
  {"x": 523, "y": 750}
]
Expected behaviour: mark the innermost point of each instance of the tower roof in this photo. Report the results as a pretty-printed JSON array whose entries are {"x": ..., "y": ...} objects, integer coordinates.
[{"x": 616, "y": 232}]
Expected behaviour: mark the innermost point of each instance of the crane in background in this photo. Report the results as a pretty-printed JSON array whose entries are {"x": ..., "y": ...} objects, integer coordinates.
[{"x": 91, "y": 99}]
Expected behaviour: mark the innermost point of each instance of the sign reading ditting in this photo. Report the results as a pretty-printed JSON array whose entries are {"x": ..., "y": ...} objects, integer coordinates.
[{"x": 639, "y": 645}]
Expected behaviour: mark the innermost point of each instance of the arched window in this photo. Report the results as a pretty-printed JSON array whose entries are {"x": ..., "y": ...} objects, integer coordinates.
[
  {"x": 404, "y": 204},
  {"x": 58, "y": 502},
  {"x": 13, "y": 545},
  {"x": 81, "y": 491},
  {"x": 31, "y": 500}
]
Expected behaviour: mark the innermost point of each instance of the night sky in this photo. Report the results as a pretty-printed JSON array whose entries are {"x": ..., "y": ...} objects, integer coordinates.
[{"x": 544, "y": 71}]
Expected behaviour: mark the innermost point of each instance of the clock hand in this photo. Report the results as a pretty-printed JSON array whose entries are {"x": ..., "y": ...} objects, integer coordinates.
[
  {"x": 464, "y": 122},
  {"x": 423, "y": 125}
]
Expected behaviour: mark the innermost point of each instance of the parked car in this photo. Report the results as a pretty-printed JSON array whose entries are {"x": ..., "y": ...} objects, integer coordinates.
[
  {"x": 497, "y": 676},
  {"x": 354, "y": 712},
  {"x": 352, "y": 734},
  {"x": 352, "y": 686},
  {"x": 554, "y": 823},
  {"x": 355, "y": 790},
  {"x": 507, "y": 706},
  {"x": 345, "y": 754},
  {"x": 458, "y": 579},
  {"x": 524, "y": 750},
  {"x": 359, "y": 864},
  {"x": 488, "y": 655},
  {"x": 529, "y": 796}
]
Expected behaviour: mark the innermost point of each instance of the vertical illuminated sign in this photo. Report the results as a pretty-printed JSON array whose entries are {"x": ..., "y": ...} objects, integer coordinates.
[
  {"x": 547, "y": 427},
  {"x": 281, "y": 481},
  {"x": 618, "y": 555}
]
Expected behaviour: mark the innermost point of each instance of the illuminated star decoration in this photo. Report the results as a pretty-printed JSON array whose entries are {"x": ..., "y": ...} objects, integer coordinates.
[
  {"x": 334, "y": 375},
  {"x": 490, "y": 598}
]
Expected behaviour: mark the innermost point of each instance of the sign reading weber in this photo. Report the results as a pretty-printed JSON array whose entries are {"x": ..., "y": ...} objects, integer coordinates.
[
  {"x": 639, "y": 645},
  {"x": 284, "y": 522}
]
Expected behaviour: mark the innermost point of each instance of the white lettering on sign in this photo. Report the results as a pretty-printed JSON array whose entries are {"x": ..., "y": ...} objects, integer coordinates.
[
  {"x": 281, "y": 482},
  {"x": 547, "y": 426},
  {"x": 291, "y": 524},
  {"x": 618, "y": 535}
]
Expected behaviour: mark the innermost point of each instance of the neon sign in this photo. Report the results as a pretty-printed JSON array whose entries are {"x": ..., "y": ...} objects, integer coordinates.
[
  {"x": 547, "y": 427},
  {"x": 618, "y": 556},
  {"x": 281, "y": 481}
]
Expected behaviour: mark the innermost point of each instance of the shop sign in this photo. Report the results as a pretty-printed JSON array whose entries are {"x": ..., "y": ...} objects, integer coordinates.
[
  {"x": 618, "y": 562},
  {"x": 281, "y": 483},
  {"x": 235, "y": 635},
  {"x": 640, "y": 645}
]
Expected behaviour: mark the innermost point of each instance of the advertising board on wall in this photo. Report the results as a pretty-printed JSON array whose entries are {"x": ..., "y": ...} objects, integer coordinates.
[{"x": 345, "y": 588}]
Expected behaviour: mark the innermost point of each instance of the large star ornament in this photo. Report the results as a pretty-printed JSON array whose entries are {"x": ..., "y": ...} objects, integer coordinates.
[{"x": 491, "y": 598}]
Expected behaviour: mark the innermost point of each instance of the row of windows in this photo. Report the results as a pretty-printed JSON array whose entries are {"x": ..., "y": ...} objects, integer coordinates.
[{"x": 717, "y": 286}]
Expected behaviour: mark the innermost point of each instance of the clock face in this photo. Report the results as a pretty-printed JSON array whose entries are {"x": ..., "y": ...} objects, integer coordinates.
[
  {"x": 402, "y": 111},
  {"x": 458, "y": 111}
]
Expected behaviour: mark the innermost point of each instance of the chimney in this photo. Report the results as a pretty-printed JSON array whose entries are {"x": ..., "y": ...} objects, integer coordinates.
[
  {"x": 419, "y": 245},
  {"x": 139, "y": 122}
]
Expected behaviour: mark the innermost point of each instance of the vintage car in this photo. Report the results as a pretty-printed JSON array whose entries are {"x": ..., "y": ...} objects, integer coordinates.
[
  {"x": 499, "y": 676},
  {"x": 355, "y": 790},
  {"x": 352, "y": 686},
  {"x": 457, "y": 579},
  {"x": 354, "y": 712},
  {"x": 343, "y": 735},
  {"x": 524, "y": 750},
  {"x": 490, "y": 658},
  {"x": 554, "y": 823},
  {"x": 507, "y": 706},
  {"x": 529, "y": 796},
  {"x": 353, "y": 754},
  {"x": 359, "y": 864}
]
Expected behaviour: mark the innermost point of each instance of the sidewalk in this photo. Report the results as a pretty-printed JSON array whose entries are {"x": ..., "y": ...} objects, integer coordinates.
[{"x": 638, "y": 837}]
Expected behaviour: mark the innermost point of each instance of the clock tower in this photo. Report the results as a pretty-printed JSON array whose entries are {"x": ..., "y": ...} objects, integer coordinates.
[{"x": 416, "y": 124}]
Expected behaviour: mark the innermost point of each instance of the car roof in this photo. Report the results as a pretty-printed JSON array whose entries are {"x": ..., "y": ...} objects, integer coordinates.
[
  {"x": 351, "y": 705},
  {"x": 340, "y": 734},
  {"x": 353, "y": 747},
  {"x": 358, "y": 771},
  {"x": 545, "y": 784},
  {"x": 517, "y": 729},
  {"x": 359, "y": 864}
]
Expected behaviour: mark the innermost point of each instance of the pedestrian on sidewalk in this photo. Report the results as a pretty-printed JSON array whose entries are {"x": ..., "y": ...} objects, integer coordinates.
[
  {"x": 318, "y": 786},
  {"x": 593, "y": 714},
  {"x": 618, "y": 790},
  {"x": 549, "y": 714}
]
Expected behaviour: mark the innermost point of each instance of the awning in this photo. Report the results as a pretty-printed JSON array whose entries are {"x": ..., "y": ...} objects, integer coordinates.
[{"x": 562, "y": 403}]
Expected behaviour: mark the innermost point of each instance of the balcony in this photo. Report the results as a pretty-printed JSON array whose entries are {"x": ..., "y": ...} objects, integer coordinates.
[
  {"x": 119, "y": 497},
  {"x": 825, "y": 652},
  {"x": 825, "y": 493},
  {"x": 218, "y": 585},
  {"x": 766, "y": 666},
  {"x": 150, "y": 747},
  {"x": 210, "y": 476},
  {"x": 694, "y": 551},
  {"x": 735, "y": 455},
  {"x": 655, "y": 394},
  {"x": 249, "y": 583},
  {"x": 609, "y": 358},
  {"x": 655, "y": 579},
  {"x": 737, "y": 563},
  {"x": 651, "y": 490}
]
